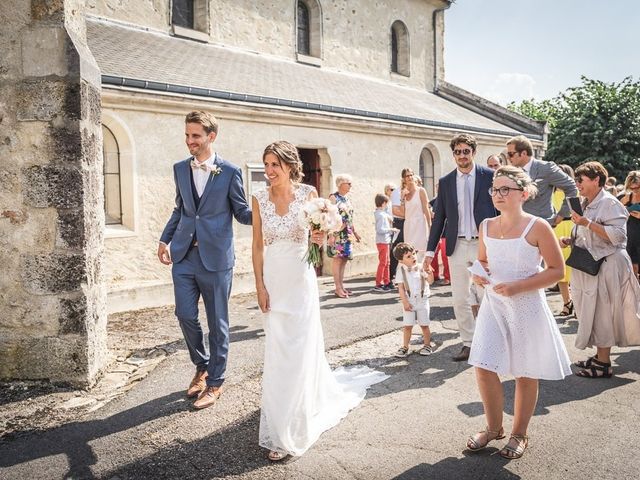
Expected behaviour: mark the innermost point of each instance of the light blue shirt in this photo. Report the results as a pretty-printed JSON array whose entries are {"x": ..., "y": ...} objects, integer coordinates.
[{"x": 384, "y": 232}]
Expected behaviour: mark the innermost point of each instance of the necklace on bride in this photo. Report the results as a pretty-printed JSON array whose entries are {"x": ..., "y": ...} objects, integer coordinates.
[{"x": 508, "y": 229}]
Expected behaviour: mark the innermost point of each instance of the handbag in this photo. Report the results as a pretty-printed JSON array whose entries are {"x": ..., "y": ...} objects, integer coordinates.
[{"x": 581, "y": 259}]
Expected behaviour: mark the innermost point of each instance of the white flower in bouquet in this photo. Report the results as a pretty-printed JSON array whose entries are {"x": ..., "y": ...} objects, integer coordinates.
[{"x": 319, "y": 214}]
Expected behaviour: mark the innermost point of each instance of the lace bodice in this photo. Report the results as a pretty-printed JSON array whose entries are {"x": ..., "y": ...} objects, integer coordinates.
[{"x": 277, "y": 228}]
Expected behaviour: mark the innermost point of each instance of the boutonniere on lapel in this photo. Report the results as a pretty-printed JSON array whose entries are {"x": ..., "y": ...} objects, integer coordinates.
[{"x": 215, "y": 170}]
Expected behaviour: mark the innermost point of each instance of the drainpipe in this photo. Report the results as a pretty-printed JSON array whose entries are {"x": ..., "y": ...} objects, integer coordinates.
[{"x": 435, "y": 43}]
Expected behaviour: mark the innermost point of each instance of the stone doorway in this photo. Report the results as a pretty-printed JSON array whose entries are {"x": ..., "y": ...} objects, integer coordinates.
[
  {"x": 312, "y": 175},
  {"x": 311, "y": 167}
]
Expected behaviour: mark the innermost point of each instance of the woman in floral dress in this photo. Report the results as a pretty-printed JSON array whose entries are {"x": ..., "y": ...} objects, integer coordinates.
[{"x": 339, "y": 244}]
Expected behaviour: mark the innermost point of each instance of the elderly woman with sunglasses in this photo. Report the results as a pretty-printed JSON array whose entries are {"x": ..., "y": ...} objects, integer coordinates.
[
  {"x": 607, "y": 304},
  {"x": 339, "y": 244}
]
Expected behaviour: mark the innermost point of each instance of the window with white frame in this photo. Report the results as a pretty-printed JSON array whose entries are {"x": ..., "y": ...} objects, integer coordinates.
[
  {"x": 118, "y": 152},
  {"x": 111, "y": 172}
]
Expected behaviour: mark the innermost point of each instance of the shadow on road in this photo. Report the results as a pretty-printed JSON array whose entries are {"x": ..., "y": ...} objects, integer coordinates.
[
  {"x": 78, "y": 435},
  {"x": 415, "y": 371},
  {"x": 471, "y": 466},
  {"x": 238, "y": 334},
  {"x": 231, "y": 451},
  {"x": 551, "y": 393}
]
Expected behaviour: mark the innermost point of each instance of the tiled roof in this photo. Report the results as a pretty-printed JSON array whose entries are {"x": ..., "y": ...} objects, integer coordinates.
[{"x": 131, "y": 53}]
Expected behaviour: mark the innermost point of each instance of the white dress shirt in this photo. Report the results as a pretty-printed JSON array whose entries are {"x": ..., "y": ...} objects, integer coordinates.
[
  {"x": 200, "y": 176},
  {"x": 460, "y": 190},
  {"x": 395, "y": 200}
]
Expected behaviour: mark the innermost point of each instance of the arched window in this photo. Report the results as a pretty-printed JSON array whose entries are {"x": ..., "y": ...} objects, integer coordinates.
[
  {"x": 400, "y": 48},
  {"x": 111, "y": 171},
  {"x": 427, "y": 171},
  {"x": 308, "y": 31},
  {"x": 303, "y": 29}
]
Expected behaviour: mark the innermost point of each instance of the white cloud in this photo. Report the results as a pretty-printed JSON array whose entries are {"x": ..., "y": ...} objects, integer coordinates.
[{"x": 508, "y": 87}]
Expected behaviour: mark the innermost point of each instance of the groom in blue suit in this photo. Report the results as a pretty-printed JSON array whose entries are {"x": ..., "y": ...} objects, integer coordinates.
[{"x": 198, "y": 240}]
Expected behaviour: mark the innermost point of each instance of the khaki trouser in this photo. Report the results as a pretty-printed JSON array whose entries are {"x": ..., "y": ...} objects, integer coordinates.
[{"x": 464, "y": 255}]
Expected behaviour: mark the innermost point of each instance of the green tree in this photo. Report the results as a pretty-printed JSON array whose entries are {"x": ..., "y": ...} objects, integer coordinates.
[
  {"x": 595, "y": 121},
  {"x": 544, "y": 110}
]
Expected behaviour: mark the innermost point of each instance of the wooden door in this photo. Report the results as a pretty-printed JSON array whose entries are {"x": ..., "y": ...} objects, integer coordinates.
[{"x": 312, "y": 173}]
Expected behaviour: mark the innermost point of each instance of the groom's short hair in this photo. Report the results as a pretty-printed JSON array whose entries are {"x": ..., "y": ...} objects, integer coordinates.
[{"x": 208, "y": 121}]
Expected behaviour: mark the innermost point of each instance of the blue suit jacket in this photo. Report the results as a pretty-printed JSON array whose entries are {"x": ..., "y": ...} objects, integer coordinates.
[
  {"x": 446, "y": 217},
  {"x": 223, "y": 198}
]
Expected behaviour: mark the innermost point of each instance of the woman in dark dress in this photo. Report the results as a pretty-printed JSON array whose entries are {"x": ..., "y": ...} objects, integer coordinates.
[{"x": 631, "y": 200}]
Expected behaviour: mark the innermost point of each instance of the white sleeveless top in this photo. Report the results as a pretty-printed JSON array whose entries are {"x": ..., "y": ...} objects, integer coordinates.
[{"x": 276, "y": 228}]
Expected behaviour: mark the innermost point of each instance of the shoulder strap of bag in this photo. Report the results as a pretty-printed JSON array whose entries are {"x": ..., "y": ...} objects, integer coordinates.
[{"x": 405, "y": 280}]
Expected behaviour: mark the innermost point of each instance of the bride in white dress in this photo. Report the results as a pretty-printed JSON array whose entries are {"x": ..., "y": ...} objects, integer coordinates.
[{"x": 301, "y": 396}]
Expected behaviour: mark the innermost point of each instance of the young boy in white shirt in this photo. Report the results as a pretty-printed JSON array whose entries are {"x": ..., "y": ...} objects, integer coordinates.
[{"x": 413, "y": 285}]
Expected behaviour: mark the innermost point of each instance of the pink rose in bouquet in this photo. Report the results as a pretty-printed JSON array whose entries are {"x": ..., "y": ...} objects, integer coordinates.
[{"x": 319, "y": 214}]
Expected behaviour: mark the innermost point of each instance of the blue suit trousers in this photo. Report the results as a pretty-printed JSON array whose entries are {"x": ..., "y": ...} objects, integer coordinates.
[{"x": 190, "y": 281}]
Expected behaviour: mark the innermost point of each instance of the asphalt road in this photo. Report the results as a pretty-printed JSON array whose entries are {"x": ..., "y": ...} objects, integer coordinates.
[{"x": 413, "y": 425}]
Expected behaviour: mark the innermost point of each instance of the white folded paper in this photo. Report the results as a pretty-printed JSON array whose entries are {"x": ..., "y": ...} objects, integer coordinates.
[{"x": 476, "y": 268}]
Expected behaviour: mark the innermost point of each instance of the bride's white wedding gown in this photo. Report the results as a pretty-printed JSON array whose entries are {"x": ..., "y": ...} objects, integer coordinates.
[{"x": 301, "y": 396}]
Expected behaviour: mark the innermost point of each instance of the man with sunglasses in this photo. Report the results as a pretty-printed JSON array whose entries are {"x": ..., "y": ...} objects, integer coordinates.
[
  {"x": 547, "y": 176},
  {"x": 463, "y": 202}
]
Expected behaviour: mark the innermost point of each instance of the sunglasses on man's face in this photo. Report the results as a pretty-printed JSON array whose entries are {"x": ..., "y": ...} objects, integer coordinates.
[
  {"x": 464, "y": 151},
  {"x": 511, "y": 154}
]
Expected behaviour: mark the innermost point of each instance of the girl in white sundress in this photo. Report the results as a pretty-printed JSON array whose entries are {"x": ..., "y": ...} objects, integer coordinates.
[
  {"x": 301, "y": 396},
  {"x": 516, "y": 333}
]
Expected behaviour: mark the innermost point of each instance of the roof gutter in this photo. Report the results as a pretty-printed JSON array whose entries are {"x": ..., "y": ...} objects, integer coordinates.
[
  {"x": 435, "y": 42},
  {"x": 274, "y": 101}
]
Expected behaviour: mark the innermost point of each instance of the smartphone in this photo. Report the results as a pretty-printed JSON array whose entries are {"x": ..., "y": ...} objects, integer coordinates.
[{"x": 575, "y": 205}]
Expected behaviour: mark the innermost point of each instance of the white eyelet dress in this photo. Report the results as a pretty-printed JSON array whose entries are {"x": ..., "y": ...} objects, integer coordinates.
[
  {"x": 517, "y": 335},
  {"x": 301, "y": 396}
]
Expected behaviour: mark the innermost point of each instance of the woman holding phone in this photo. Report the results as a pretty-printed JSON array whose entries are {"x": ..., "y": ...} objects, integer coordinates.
[{"x": 608, "y": 303}]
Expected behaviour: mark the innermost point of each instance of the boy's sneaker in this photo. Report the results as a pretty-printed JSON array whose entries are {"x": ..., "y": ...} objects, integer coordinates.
[
  {"x": 402, "y": 352},
  {"x": 379, "y": 288},
  {"x": 389, "y": 286},
  {"x": 426, "y": 350}
]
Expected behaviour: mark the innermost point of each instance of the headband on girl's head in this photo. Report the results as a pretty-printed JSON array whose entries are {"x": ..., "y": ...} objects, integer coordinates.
[{"x": 519, "y": 181}]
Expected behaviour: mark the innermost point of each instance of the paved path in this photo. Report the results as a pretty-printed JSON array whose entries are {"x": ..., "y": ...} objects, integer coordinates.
[{"x": 413, "y": 425}]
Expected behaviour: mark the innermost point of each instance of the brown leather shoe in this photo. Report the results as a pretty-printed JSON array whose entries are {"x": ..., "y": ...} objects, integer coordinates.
[
  {"x": 208, "y": 397},
  {"x": 198, "y": 384},
  {"x": 463, "y": 355}
]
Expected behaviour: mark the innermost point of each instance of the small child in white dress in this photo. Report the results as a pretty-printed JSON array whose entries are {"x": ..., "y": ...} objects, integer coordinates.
[{"x": 413, "y": 286}]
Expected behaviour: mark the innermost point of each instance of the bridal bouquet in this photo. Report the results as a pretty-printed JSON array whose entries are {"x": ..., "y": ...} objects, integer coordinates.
[{"x": 319, "y": 214}]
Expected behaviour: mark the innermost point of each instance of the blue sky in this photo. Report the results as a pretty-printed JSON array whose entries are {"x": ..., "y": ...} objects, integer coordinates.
[{"x": 509, "y": 50}]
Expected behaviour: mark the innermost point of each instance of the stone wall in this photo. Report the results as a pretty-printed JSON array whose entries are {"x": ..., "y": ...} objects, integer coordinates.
[
  {"x": 356, "y": 34},
  {"x": 53, "y": 323}
]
